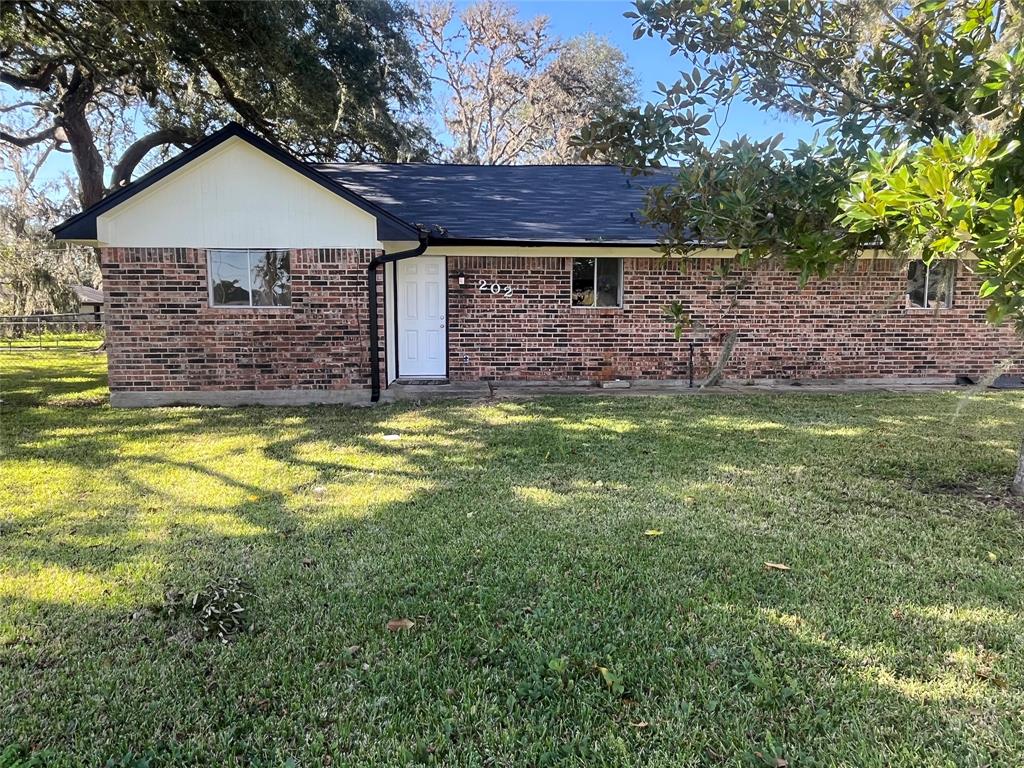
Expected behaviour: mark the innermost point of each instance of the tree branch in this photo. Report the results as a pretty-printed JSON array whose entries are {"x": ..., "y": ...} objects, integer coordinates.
[
  {"x": 28, "y": 141},
  {"x": 38, "y": 80},
  {"x": 132, "y": 156},
  {"x": 243, "y": 107}
]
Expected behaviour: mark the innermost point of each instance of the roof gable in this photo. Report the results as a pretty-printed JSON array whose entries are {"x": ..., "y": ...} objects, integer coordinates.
[{"x": 83, "y": 226}]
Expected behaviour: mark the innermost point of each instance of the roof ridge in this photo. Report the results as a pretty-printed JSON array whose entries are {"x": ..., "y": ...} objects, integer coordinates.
[{"x": 484, "y": 165}]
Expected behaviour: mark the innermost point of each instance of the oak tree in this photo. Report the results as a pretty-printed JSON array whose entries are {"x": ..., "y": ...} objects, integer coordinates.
[{"x": 327, "y": 79}]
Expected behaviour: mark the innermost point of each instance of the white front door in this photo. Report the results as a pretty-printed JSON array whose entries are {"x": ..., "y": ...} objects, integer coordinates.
[{"x": 422, "y": 302}]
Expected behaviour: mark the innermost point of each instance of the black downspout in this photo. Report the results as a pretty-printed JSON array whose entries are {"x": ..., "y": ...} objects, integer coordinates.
[{"x": 371, "y": 286}]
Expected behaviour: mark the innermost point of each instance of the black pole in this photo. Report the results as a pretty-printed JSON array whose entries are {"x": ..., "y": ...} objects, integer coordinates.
[
  {"x": 371, "y": 291},
  {"x": 691, "y": 363}
]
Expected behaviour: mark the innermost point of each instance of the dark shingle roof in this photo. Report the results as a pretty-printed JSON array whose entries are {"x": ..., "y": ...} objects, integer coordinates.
[
  {"x": 542, "y": 203},
  {"x": 507, "y": 203}
]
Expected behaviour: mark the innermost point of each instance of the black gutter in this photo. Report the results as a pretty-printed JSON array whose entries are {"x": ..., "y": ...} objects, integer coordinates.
[
  {"x": 519, "y": 243},
  {"x": 371, "y": 286}
]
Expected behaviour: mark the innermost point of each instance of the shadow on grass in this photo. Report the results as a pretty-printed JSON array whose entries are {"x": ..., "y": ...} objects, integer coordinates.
[
  {"x": 513, "y": 535},
  {"x": 73, "y": 376}
]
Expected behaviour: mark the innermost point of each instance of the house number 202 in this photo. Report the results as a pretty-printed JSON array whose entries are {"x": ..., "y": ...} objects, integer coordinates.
[{"x": 495, "y": 288}]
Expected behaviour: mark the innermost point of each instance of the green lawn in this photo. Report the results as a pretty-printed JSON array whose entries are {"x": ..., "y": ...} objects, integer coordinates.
[{"x": 513, "y": 535}]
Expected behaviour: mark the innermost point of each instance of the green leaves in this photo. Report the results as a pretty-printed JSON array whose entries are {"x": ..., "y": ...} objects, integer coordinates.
[
  {"x": 946, "y": 199},
  {"x": 222, "y": 610},
  {"x": 921, "y": 105},
  {"x": 677, "y": 314}
]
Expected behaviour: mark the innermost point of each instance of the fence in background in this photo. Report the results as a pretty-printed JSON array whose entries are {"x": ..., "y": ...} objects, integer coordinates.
[{"x": 72, "y": 329}]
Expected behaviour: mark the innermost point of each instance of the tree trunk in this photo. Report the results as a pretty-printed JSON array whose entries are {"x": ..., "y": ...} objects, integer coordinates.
[
  {"x": 723, "y": 360},
  {"x": 1017, "y": 486},
  {"x": 88, "y": 161}
]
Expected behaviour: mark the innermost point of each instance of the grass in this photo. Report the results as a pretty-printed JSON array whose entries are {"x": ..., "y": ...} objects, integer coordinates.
[
  {"x": 549, "y": 627},
  {"x": 64, "y": 340}
]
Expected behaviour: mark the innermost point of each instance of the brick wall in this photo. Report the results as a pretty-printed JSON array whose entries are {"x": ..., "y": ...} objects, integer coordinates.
[
  {"x": 852, "y": 325},
  {"x": 163, "y": 335}
]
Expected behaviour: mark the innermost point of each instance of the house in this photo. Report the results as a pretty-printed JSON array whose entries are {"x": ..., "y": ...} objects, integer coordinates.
[
  {"x": 235, "y": 273},
  {"x": 90, "y": 302}
]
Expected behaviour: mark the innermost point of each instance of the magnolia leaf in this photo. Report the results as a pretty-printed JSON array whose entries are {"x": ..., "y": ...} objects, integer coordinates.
[{"x": 776, "y": 566}]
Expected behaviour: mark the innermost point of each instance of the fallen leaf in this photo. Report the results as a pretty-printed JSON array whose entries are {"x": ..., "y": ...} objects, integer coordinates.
[
  {"x": 354, "y": 649},
  {"x": 391, "y": 438},
  {"x": 776, "y": 566},
  {"x": 397, "y": 625},
  {"x": 652, "y": 532},
  {"x": 641, "y": 724},
  {"x": 988, "y": 676}
]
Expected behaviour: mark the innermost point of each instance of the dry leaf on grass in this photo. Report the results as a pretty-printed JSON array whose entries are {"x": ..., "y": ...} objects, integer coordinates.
[
  {"x": 397, "y": 625},
  {"x": 776, "y": 567},
  {"x": 653, "y": 532},
  {"x": 641, "y": 724},
  {"x": 990, "y": 677}
]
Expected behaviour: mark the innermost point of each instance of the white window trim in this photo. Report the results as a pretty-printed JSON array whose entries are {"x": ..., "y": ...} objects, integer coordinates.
[
  {"x": 248, "y": 265},
  {"x": 948, "y": 303},
  {"x": 595, "y": 305}
]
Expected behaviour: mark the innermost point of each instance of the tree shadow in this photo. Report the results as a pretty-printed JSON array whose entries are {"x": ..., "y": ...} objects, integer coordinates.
[{"x": 512, "y": 534}]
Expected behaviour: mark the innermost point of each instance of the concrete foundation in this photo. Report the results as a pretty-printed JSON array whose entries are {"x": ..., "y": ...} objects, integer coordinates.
[{"x": 513, "y": 390}]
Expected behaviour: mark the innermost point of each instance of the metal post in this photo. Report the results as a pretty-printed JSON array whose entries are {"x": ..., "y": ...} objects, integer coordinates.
[{"x": 691, "y": 363}]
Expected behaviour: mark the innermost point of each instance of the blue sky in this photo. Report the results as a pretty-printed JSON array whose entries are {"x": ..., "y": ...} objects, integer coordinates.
[{"x": 652, "y": 61}]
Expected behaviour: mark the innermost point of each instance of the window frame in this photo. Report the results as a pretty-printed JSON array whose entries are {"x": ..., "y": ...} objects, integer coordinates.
[
  {"x": 248, "y": 264},
  {"x": 620, "y": 287},
  {"x": 950, "y": 288}
]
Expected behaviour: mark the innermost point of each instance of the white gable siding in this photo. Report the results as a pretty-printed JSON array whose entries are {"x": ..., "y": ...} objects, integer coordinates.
[{"x": 235, "y": 196}]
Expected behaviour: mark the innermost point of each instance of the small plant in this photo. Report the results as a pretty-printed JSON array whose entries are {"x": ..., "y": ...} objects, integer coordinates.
[
  {"x": 221, "y": 609},
  {"x": 613, "y": 681},
  {"x": 16, "y": 756},
  {"x": 676, "y": 312}
]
